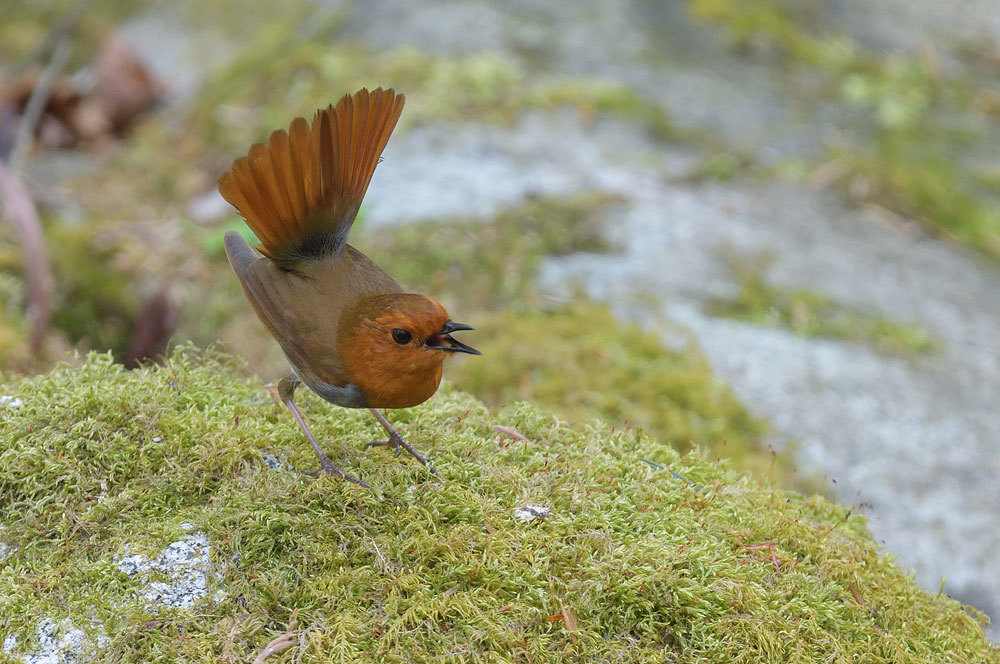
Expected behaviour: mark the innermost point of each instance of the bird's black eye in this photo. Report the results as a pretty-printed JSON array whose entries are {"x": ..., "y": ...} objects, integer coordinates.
[{"x": 401, "y": 336}]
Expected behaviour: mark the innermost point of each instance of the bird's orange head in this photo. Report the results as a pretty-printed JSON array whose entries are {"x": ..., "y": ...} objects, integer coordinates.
[{"x": 393, "y": 346}]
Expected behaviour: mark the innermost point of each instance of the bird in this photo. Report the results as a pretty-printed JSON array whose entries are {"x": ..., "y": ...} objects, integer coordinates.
[{"x": 350, "y": 332}]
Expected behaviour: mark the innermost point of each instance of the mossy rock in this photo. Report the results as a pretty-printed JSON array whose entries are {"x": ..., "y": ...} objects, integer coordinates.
[{"x": 645, "y": 555}]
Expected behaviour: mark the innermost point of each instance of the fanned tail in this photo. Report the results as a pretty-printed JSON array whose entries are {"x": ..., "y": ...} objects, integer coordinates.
[{"x": 301, "y": 192}]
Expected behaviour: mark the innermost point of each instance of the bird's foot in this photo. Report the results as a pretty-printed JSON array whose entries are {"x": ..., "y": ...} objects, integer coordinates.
[
  {"x": 396, "y": 441},
  {"x": 397, "y": 444},
  {"x": 330, "y": 469}
]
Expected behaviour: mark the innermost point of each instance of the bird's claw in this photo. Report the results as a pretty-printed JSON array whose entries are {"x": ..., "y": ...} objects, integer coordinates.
[
  {"x": 387, "y": 443},
  {"x": 330, "y": 469},
  {"x": 397, "y": 442}
]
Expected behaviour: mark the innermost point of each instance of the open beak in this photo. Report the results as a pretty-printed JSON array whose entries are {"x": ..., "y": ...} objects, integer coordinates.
[{"x": 444, "y": 341}]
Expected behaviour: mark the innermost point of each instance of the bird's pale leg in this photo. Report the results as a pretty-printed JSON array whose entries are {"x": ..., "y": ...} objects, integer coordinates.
[
  {"x": 396, "y": 441},
  {"x": 286, "y": 390}
]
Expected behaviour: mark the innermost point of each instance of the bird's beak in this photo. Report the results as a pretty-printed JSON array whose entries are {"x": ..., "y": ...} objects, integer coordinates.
[{"x": 444, "y": 341}]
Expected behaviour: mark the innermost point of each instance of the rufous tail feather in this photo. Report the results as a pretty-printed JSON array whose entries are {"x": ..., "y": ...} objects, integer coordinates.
[{"x": 301, "y": 192}]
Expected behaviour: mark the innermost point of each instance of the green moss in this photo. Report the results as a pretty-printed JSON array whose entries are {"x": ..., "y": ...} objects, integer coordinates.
[
  {"x": 658, "y": 556},
  {"x": 812, "y": 314}
]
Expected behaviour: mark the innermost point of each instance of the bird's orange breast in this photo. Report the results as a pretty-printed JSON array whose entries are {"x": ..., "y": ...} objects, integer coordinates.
[{"x": 399, "y": 384}]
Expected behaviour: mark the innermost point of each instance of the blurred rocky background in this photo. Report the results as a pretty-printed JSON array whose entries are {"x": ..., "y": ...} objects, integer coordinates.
[{"x": 769, "y": 228}]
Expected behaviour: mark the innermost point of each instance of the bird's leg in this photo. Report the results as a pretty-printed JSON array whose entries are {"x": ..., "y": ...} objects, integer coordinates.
[
  {"x": 396, "y": 441},
  {"x": 286, "y": 390}
]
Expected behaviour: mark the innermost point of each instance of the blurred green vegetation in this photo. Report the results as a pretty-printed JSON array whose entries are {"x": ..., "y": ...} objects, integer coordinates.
[
  {"x": 919, "y": 124},
  {"x": 574, "y": 357},
  {"x": 812, "y": 314},
  {"x": 96, "y": 304},
  {"x": 581, "y": 362},
  {"x": 13, "y": 323},
  {"x": 753, "y": 23},
  {"x": 30, "y": 26},
  {"x": 492, "y": 263},
  {"x": 256, "y": 91}
]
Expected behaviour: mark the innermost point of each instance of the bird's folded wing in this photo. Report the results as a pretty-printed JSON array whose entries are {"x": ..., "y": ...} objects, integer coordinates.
[{"x": 268, "y": 288}]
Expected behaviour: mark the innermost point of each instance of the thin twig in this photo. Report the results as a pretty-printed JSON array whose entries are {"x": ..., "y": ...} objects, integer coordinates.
[
  {"x": 14, "y": 197},
  {"x": 58, "y": 43},
  {"x": 37, "y": 101},
  {"x": 513, "y": 433}
]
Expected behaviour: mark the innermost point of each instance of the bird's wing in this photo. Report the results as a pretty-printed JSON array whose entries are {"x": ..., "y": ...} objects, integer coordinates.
[
  {"x": 301, "y": 192},
  {"x": 301, "y": 309}
]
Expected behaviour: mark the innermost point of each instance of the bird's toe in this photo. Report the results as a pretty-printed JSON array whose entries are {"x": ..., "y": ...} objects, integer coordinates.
[{"x": 329, "y": 468}]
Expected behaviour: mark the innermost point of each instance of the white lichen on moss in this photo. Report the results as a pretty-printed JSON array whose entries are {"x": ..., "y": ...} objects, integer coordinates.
[
  {"x": 57, "y": 643},
  {"x": 531, "y": 512},
  {"x": 5, "y": 548},
  {"x": 184, "y": 563}
]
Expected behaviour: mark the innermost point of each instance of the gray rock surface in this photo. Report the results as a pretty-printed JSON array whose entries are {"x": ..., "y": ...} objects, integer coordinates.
[{"x": 892, "y": 25}]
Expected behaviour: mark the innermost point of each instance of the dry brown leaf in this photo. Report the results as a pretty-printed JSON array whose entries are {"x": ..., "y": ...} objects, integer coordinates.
[
  {"x": 855, "y": 594},
  {"x": 569, "y": 622},
  {"x": 125, "y": 85},
  {"x": 124, "y": 88},
  {"x": 282, "y": 643},
  {"x": 153, "y": 328}
]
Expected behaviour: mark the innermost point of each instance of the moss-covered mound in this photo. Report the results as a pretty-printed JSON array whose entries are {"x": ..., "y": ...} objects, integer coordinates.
[{"x": 111, "y": 481}]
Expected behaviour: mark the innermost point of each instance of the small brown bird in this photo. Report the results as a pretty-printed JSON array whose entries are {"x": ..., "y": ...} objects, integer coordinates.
[{"x": 347, "y": 328}]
